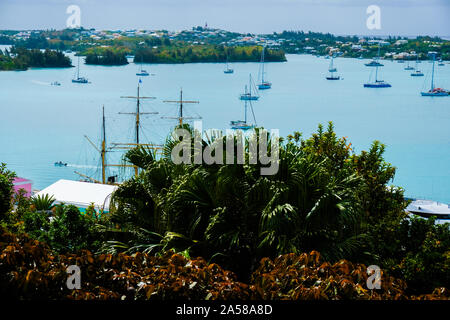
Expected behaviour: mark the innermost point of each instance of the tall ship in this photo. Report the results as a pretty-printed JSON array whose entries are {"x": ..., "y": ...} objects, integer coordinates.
[
  {"x": 250, "y": 93},
  {"x": 104, "y": 149},
  {"x": 264, "y": 84},
  {"x": 435, "y": 92},
  {"x": 79, "y": 79}
]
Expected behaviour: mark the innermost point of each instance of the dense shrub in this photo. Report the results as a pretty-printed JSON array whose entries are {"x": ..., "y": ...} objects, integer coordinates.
[
  {"x": 308, "y": 277},
  {"x": 414, "y": 249},
  {"x": 6, "y": 190},
  {"x": 29, "y": 270},
  {"x": 205, "y": 53},
  {"x": 107, "y": 58}
]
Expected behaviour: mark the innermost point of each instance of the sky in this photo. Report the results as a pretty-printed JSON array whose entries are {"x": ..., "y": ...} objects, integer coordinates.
[{"x": 347, "y": 17}]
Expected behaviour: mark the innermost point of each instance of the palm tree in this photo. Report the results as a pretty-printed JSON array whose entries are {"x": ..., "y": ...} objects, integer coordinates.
[
  {"x": 235, "y": 216},
  {"x": 43, "y": 202}
]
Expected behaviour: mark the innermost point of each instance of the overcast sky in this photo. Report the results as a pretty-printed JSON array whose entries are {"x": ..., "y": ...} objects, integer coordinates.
[{"x": 398, "y": 17}]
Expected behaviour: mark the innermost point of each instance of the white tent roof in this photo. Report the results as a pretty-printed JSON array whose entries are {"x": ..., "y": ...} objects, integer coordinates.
[{"x": 80, "y": 194}]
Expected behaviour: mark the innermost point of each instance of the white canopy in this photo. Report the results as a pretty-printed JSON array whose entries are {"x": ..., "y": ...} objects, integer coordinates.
[{"x": 80, "y": 194}]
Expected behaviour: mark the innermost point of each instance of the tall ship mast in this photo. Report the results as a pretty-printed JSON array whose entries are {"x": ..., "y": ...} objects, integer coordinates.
[
  {"x": 103, "y": 150},
  {"x": 181, "y": 103}
]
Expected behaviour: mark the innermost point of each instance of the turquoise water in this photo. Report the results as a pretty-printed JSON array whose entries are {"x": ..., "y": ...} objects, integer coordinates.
[{"x": 41, "y": 124}]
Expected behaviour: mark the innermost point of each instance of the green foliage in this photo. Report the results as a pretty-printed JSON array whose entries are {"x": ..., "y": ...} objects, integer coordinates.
[
  {"x": 414, "y": 249},
  {"x": 205, "y": 53},
  {"x": 29, "y": 270},
  {"x": 70, "y": 231},
  {"x": 43, "y": 202},
  {"x": 107, "y": 57},
  {"x": 6, "y": 190},
  {"x": 323, "y": 197},
  {"x": 37, "y": 224},
  {"x": 24, "y": 58},
  {"x": 230, "y": 213}
]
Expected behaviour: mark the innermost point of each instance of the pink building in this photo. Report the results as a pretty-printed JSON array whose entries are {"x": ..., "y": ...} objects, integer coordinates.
[{"x": 22, "y": 183}]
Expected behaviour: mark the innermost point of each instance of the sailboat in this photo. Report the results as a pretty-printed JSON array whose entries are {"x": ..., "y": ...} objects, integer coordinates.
[
  {"x": 374, "y": 62},
  {"x": 377, "y": 83},
  {"x": 228, "y": 70},
  {"x": 242, "y": 124},
  {"x": 332, "y": 70},
  {"x": 142, "y": 72},
  {"x": 435, "y": 92},
  {"x": 408, "y": 67},
  {"x": 248, "y": 95},
  {"x": 79, "y": 79},
  {"x": 417, "y": 73},
  {"x": 263, "y": 84}
]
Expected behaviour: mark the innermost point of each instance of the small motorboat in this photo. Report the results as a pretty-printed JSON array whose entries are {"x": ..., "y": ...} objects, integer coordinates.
[
  {"x": 373, "y": 63},
  {"x": 56, "y": 83},
  {"x": 241, "y": 125},
  {"x": 428, "y": 208},
  {"x": 60, "y": 164},
  {"x": 142, "y": 73}
]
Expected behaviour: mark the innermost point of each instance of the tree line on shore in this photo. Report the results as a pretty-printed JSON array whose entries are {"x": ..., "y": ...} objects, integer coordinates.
[
  {"x": 18, "y": 58},
  {"x": 206, "y": 53}
]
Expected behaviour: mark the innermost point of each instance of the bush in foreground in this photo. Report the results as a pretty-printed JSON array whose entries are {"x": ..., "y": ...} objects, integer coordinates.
[{"x": 29, "y": 270}]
